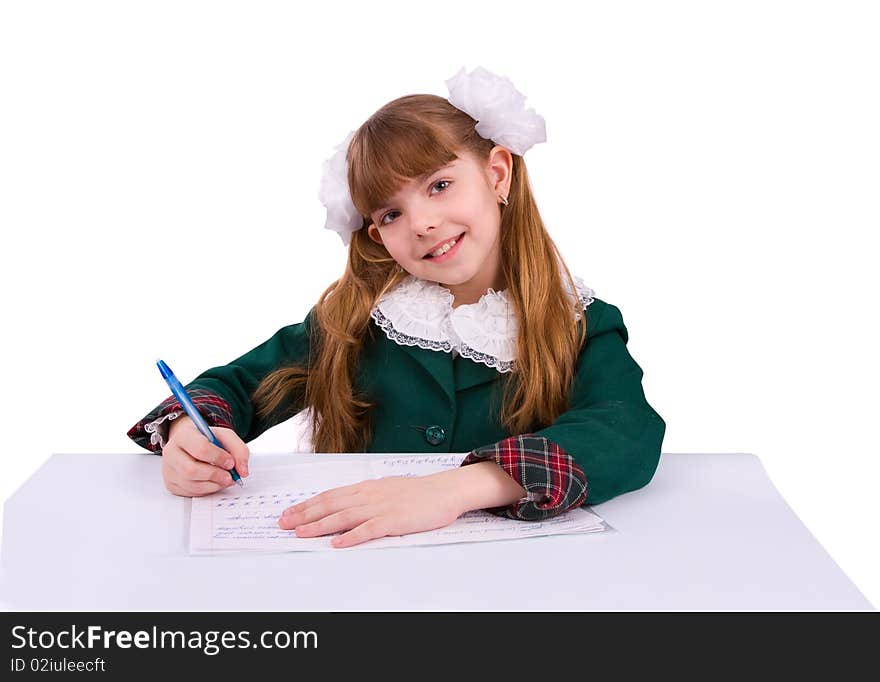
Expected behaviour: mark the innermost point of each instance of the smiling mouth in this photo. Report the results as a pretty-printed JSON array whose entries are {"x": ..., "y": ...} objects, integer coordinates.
[{"x": 458, "y": 239}]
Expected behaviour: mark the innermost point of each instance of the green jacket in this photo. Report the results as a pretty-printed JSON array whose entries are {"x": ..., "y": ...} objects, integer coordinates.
[{"x": 429, "y": 401}]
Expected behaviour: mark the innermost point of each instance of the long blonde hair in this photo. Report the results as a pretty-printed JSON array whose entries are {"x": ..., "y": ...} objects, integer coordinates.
[{"x": 407, "y": 137}]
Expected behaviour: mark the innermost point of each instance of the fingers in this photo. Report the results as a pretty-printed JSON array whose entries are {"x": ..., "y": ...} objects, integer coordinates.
[
  {"x": 366, "y": 531},
  {"x": 194, "y": 488},
  {"x": 236, "y": 447},
  {"x": 340, "y": 509},
  {"x": 200, "y": 448},
  {"x": 193, "y": 466},
  {"x": 341, "y": 520},
  {"x": 327, "y": 503},
  {"x": 184, "y": 471},
  {"x": 328, "y": 500},
  {"x": 193, "y": 470}
]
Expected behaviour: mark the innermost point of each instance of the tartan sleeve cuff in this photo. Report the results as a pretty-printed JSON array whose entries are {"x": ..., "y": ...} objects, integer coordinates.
[
  {"x": 553, "y": 480},
  {"x": 151, "y": 431}
]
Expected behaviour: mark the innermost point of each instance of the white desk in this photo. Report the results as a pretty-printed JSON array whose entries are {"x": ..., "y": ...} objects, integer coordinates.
[{"x": 710, "y": 532}]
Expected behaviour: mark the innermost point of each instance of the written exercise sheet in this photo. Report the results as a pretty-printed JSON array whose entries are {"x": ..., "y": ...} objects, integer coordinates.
[{"x": 246, "y": 519}]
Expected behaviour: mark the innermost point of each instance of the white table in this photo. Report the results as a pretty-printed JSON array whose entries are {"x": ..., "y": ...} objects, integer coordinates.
[{"x": 710, "y": 532}]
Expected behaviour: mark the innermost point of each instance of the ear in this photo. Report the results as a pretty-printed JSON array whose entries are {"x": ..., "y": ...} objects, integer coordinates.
[
  {"x": 500, "y": 170},
  {"x": 373, "y": 233}
]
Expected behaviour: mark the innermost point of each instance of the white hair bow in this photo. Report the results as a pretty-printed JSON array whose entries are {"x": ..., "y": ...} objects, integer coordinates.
[{"x": 497, "y": 106}]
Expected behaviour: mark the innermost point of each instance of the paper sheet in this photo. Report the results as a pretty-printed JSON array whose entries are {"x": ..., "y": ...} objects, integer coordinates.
[{"x": 244, "y": 520}]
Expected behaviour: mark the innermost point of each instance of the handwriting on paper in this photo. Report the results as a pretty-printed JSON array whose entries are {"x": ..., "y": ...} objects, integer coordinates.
[{"x": 231, "y": 521}]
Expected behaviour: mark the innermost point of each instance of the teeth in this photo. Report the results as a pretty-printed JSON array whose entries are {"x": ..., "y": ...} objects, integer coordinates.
[{"x": 443, "y": 249}]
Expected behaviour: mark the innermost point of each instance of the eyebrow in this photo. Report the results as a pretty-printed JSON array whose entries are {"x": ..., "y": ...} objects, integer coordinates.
[
  {"x": 427, "y": 175},
  {"x": 422, "y": 178}
]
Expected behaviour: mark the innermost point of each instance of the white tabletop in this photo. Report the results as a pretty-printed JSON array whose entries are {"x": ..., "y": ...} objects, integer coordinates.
[{"x": 710, "y": 532}]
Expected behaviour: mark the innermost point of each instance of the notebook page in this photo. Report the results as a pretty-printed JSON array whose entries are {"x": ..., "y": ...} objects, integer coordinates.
[
  {"x": 246, "y": 518},
  {"x": 231, "y": 520}
]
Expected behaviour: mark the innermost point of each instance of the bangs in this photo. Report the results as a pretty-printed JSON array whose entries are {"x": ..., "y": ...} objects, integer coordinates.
[{"x": 388, "y": 152}]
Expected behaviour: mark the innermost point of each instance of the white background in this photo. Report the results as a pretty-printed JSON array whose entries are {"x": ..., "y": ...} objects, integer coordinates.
[{"x": 711, "y": 169}]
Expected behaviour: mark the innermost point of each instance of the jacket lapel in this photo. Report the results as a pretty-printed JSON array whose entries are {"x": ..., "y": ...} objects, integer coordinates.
[
  {"x": 469, "y": 373},
  {"x": 436, "y": 363},
  {"x": 451, "y": 374}
]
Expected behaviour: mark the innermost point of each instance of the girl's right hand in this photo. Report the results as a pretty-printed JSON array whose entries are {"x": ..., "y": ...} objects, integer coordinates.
[{"x": 192, "y": 466}]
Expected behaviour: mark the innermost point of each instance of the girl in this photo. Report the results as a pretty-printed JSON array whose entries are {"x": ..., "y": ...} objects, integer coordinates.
[{"x": 456, "y": 327}]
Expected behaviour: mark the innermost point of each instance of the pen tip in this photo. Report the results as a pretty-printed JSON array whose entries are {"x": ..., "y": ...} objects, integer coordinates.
[{"x": 240, "y": 482}]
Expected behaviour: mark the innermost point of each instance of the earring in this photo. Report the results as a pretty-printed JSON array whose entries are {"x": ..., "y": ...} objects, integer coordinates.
[{"x": 504, "y": 200}]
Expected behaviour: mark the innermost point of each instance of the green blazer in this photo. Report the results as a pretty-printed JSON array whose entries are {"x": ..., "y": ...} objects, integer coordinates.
[{"x": 431, "y": 402}]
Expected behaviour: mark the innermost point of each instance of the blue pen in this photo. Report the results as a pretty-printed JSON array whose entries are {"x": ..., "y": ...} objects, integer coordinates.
[{"x": 183, "y": 398}]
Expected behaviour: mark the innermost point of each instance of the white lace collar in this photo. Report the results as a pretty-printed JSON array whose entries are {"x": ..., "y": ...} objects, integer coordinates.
[{"x": 419, "y": 313}]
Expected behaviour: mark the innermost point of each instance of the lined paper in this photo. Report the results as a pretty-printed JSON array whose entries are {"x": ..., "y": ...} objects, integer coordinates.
[{"x": 246, "y": 520}]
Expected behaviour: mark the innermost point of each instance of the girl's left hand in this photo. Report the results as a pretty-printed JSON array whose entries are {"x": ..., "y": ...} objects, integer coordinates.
[{"x": 395, "y": 505}]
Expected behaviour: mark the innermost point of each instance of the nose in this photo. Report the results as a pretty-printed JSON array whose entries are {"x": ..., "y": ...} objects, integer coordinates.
[
  {"x": 422, "y": 227},
  {"x": 423, "y": 218}
]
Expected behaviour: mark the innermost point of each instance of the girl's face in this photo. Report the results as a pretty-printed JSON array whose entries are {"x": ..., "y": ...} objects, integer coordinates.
[{"x": 457, "y": 202}]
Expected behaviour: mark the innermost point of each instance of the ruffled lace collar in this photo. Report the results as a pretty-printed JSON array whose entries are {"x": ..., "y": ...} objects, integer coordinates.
[{"x": 419, "y": 313}]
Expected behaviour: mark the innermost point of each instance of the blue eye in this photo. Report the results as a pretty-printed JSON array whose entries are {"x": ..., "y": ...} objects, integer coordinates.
[
  {"x": 382, "y": 221},
  {"x": 439, "y": 182}
]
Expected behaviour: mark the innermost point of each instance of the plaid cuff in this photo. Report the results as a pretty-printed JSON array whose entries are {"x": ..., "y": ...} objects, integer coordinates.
[
  {"x": 554, "y": 481},
  {"x": 151, "y": 431}
]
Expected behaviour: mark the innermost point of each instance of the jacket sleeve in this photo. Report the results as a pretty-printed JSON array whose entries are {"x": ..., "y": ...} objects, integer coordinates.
[
  {"x": 553, "y": 481},
  {"x": 223, "y": 394},
  {"x": 610, "y": 430},
  {"x": 607, "y": 443}
]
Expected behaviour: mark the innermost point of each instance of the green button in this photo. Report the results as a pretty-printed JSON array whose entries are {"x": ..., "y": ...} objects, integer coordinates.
[{"x": 435, "y": 435}]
